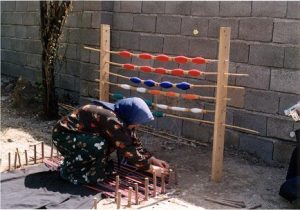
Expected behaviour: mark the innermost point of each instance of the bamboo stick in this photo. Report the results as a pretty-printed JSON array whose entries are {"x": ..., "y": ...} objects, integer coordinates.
[
  {"x": 136, "y": 189},
  {"x": 129, "y": 196},
  {"x": 146, "y": 188}
]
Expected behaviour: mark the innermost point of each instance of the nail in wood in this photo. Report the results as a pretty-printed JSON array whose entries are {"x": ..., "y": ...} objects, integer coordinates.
[
  {"x": 154, "y": 184},
  {"x": 129, "y": 196},
  {"x": 146, "y": 188},
  {"x": 136, "y": 188}
]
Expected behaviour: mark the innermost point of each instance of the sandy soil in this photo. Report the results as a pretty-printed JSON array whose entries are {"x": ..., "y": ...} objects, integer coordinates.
[{"x": 245, "y": 178}]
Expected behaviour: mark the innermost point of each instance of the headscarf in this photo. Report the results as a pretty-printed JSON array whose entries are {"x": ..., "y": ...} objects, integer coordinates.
[{"x": 132, "y": 111}]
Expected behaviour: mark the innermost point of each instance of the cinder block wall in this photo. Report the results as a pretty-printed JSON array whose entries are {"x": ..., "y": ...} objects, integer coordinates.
[{"x": 265, "y": 44}]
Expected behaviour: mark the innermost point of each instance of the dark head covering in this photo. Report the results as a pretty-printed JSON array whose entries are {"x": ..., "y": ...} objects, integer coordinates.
[{"x": 132, "y": 111}]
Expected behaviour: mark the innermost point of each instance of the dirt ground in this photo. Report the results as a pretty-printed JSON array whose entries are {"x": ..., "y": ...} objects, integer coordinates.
[{"x": 245, "y": 178}]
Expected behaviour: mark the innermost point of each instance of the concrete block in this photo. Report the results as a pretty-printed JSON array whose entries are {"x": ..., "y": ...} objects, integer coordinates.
[
  {"x": 250, "y": 121},
  {"x": 6, "y": 43},
  {"x": 263, "y": 29},
  {"x": 73, "y": 20},
  {"x": 33, "y": 32},
  {"x": 189, "y": 24},
  {"x": 83, "y": 54},
  {"x": 84, "y": 88},
  {"x": 74, "y": 35},
  {"x": 215, "y": 24},
  {"x": 232, "y": 139},
  {"x": 86, "y": 19},
  {"x": 199, "y": 132},
  {"x": 73, "y": 68},
  {"x": 77, "y": 6},
  {"x": 269, "y": 8},
  {"x": 286, "y": 31},
  {"x": 8, "y": 6},
  {"x": 94, "y": 57},
  {"x": 7, "y": 31},
  {"x": 90, "y": 36},
  {"x": 262, "y": 101},
  {"x": 18, "y": 45},
  {"x": 285, "y": 81},
  {"x": 259, "y": 77},
  {"x": 239, "y": 52},
  {"x": 178, "y": 7},
  {"x": 144, "y": 23},
  {"x": 261, "y": 147},
  {"x": 211, "y": 117},
  {"x": 131, "y": 6},
  {"x": 151, "y": 43},
  {"x": 93, "y": 89},
  {"x": 71, "y": 51},
  {"x": 31, "y": 18},
  {"x": 129, "y": 40},
  {"x": 115, "y": 38},
  {"x": 119, "y": 59},
  {"x": 168, "y": 24},
  {"x": 123, "y": 21},
  {"x": 282, "y": 152},
  {"x": 28, "y": 73},
  {"x": 21, "y": 32},
  {"x": 237, "y": 97},
  {"x": 21, "y": 6},
  {"x": 235, "y": 9},
  {"x": 292, "y": 57},
  {"x": 205, "y": 8},
  {"x": 33, "y": 6},
  {"x": 213, "y": 67},
  {"x": 266, "y": 55},
  {"x": 33, "y": 46},
  {"x": 108, "y": 6},
  {"x": 89, "y": 71},
  {"x": 279, "y": 128},
  {"x": 34, "y": 61},
  {"x": 155, "y": 7},
  {"x": 201, "y": 91},
  {"x": 293, "y": 8},
  {"x": 11, "y": 69},
  {"x": 203, "y": 48},
  {"x": 286, "y": 101},
  {"x": 176, "y": 45},
  {"x": 92, "y": 5}
]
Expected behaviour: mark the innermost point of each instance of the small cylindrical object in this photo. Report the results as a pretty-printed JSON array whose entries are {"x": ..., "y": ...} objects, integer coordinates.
[
  {"x": 95, "y": 203},
  {"x": 163, "y": 184},
  {"x": 117, "y": 187},
  {"x": 42, "y": 147},
  {"x": 51, "y": 151},
  {"x": 9, "y": 161},
  {"x": 136, "y": 189},
  {"x": 16, "y": 157},
  {"x": 146, "y": 188},
  {"x": 118, "y": 200},
  {"x": 19, "y": 158},
  {"x": 26, "y": 157},
  {"x": 34, "y": 153},
  {"x": 154, "y": 184},
  {"x": 129, "y": 196}
]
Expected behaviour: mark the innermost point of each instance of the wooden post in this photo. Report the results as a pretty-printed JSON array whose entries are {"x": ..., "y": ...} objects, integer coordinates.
[
  {"x": 136, "y": 189},
  {"x": 154, "y": 184},
  {"x": 26, "y": 157},
  {"x": 220, "y": 113},
  {"x": 95, "y": 203},
  {"x": 51, "y": 152},
  {"x": 118, "y": 200},
  {"x": 19, "y": 158},
  {"x": 104, "y": 59},
  {"x": 34, "y": 153},
  {"x": 16, "y": 157},
  {"x": 42, "y": 147},
  {"x": 146, "y": 188},
  {"x": 9, "y": 161},
  {"x": 163, "y": 184},
  {"x": 117, "y": 187},
  {"x": 129, "y": 196}
]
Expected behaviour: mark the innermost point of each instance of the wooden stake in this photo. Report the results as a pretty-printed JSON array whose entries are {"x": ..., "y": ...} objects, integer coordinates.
[
  {"x": 118, "y": 200},
  {"x": 42, "y": 147},
  {"x": 163, "y": 184},
  {"x": 146, "y": 188},
  {"x": 136, "y": 189},
  {"x": 154, "y": 184},
  {"x": 26, "y": 157},
  {"x": 16, "y": 157},
  {"x": 117, "y": 186},
  {"x": 175, "y": 176},
  {"x": 19, "y": 158},
  {"x": 95, "y": 203},
  {"x": 34, "y": 155},
  {"x": 129, "y": 196},
  {"x": 51, "y": 151},
  {"x": 9, "y": 161},
  {"x": 220, "y": 113},
  {"x": 104, "y": 59}
]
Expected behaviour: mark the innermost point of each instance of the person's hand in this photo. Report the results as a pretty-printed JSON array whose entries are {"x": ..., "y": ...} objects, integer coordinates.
[
  {"x": 158, "y": 170},
  {"x": 157, "y": 162}
]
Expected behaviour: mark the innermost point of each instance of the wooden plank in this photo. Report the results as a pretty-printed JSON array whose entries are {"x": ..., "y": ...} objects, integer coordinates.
[
  {"x": 104, "y": 59},
  {"x": 220, "y": 113}
]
